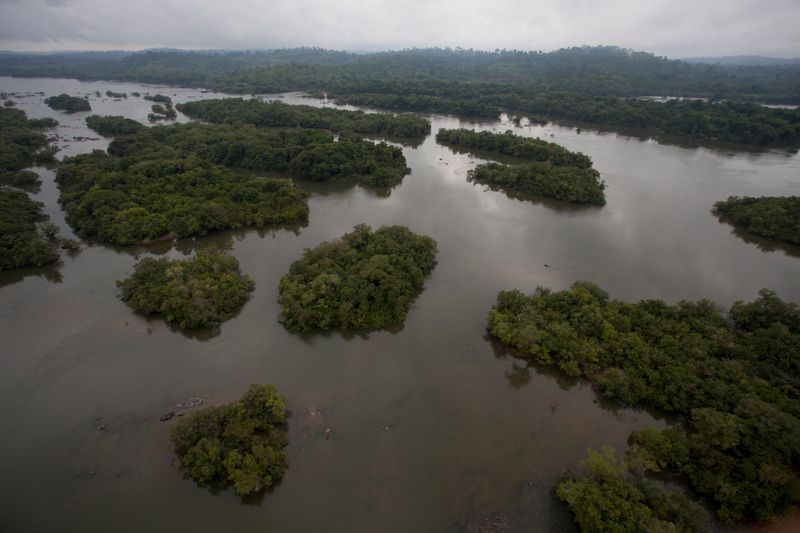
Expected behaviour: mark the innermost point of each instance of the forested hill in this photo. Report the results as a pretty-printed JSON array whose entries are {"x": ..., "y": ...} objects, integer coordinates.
[{"x": 591, "y": 70}]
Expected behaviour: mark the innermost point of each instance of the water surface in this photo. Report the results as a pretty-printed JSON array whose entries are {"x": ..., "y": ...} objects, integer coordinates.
[{"x": 432, "y": 428}]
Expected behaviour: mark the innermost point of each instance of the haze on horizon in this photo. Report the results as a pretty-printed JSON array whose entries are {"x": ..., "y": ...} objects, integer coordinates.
[{"x": 673, "y": 28}]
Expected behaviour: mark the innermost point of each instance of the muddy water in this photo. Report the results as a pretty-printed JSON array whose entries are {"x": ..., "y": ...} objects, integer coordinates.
[{"x": 432, "y": 429}]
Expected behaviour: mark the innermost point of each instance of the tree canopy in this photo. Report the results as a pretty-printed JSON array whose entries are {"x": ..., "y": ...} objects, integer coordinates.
[
  {"x": 113, "y": 125},
  {"x": 362, "y": 282},
  {"x": 568, "y": 184},
  {"x": 23, "y": 242},
  {"x": 239, "y": 444},
  {"x": 68, "y": 103},
  {"x": 774, "y": 217},
  {"x": 735, "y": 379},
  {"x": 21, "y": 145},
  {"x": 194, "y": 293}
]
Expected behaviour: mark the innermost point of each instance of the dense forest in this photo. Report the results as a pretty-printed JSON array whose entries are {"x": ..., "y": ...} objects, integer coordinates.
[
  {"x": 508, "y": 143},
  {"x": 23, "y": 239},
  {"x": 362, "y": 282},
  {"x": 70, "y": 104},
  {"x": 113, "y": 125},
  {"x": 568, "y": 184},
  {"x": 200, "y": 292},
  {"x": 140, "y": 199},
  {"x": 304, "y": 153},
  {"x": 239, "y": 444},
  {"x": 596, "y": 85},
  {"x": 774, "y": 217},
  {"x": 277, "y": 114},
  {"x": 734, "y": 378}
]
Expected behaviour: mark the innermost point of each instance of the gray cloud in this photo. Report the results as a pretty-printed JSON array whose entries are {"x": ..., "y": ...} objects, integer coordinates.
[{"x": 676, "y": 28}]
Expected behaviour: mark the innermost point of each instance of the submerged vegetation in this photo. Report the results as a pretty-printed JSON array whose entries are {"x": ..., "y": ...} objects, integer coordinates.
[
  {"x": 774, "y": 217},
  {"x": 513, "y": 145},
  {"x": 130, "y": 200},
  {"x": 239, "y": 444},
  {"x": 65, "y": 102},
  {"x": 22, "y": 145},
  {"x": 278, "y": 114},
  {"x": 735, "y": 379},
  {"x": 113, "y": 125},
  {"x": 364, "y": 281},
  {"x": 23, "y": 240},
  {"x": 194, "y": 293}
]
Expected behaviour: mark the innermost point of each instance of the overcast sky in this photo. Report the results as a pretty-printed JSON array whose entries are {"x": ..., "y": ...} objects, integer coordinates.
[{"x": 675, "y": 28}]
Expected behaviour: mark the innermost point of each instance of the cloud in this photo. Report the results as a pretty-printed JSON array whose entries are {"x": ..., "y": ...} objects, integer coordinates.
[{"x": 676, "y": 28}]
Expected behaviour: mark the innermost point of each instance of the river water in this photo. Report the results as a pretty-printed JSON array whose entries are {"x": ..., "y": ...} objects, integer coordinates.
[{"x": 432, "y": 428}]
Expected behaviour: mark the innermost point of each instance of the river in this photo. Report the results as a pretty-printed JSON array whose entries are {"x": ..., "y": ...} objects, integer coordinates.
[{"x": 432, "y": 428}]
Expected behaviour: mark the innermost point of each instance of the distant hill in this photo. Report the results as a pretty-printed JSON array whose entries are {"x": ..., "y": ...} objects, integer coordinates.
[{"x": 746, "y": 61}]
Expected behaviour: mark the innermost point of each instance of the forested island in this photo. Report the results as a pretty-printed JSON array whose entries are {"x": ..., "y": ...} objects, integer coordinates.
[
  {"x": 201, "y": 292},
  {"x": 278, "y": 114},
  {"x": 734, "y": 378},
  {"x": 595, "y": 85},
  {"x": 555, "y": 172},
  {"x": 362, "y": 282},
  {"x": 773, "y": 217},
  {"x": 239, "y": 444},
  {"x": 24, "y": 241},
  {"x": 303, "y": 153},
  {"x": 142, "y": 199},
  {"x": 70, "y": 104},
  {"x": 509, "y": 144},
  {"x": 113, "y": 125}
]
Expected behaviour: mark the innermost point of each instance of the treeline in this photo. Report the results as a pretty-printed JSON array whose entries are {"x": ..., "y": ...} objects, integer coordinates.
[
  {"x": 278, "y": 114},
  {"x": 113, "y": 125},
  {"x": 734, "y": 378},
  {"x": 362, "y": 282},
  {"x": 130, "y": 200},
  {"x": 303, "y": 153},
  {"x": 24, "y": 241},
  {"x": 200, "y": 292},
  {"x": 65, "y": 102},
  {"x": 513, "y": 145},
  {"x": 774, "y": 217}
]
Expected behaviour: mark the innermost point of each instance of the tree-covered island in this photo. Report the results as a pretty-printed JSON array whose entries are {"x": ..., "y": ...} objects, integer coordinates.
[
  {"x": 552, "y": 170},
  {"x": 22, "y": 144},
  {"x": 733, "y": 378},
  {"x": 773, "y": 217},
  {"x": 239, "y": 444},
  {"x": 70, "y": 104},
  {"x": 113, "y": 125},
  {"x": 24, "y": 240},
  {"x": 362, "y": 282},
  {"x": 201, "y": 292}
]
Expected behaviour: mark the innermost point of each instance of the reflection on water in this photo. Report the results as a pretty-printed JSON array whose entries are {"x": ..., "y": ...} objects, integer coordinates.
[{"x": 431, "y": 428}]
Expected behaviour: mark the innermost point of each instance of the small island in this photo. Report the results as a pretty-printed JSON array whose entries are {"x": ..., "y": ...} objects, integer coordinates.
[
  {"x": 773, "y": 217},
  {"x": 201, "y": 292},
  {"x": 732, "y": 377},
  {"x": 112, "y": 94},
  {"x": 239, "y": 444},
  {"x": 278, "y": 114},
  {"x": 362, "y": 282},
  {"x": 70, "y": 104},
  {"x": 21, "y": 145},
  {"x": 565, "y": 183},
  {"x": 113, "y": 125},
  {"x": 551, "y": 170},
  {"x": 507, "y": 143}
]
